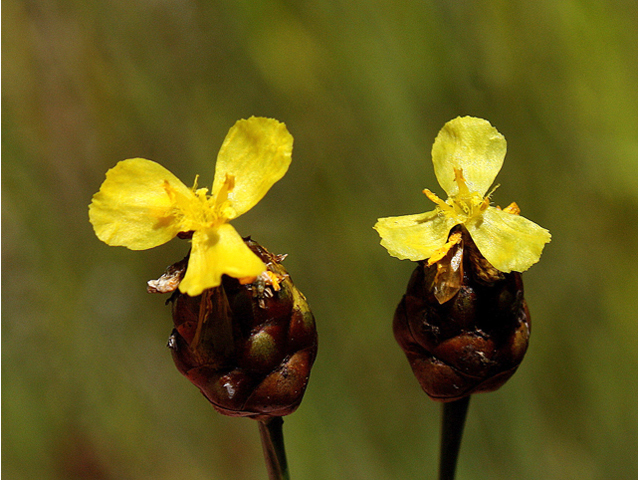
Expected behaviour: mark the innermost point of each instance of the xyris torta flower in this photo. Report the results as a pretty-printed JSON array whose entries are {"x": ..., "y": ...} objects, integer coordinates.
[
  {"x": 463, "y": 322},
  {"x": 142, "y": 205},
  {"x": 467, "y": 155}
]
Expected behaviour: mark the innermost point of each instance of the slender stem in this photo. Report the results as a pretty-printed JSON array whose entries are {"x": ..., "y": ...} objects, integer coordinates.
[
  {"x": 454, "y": 415},
  {"x": 273, "y": 448}
]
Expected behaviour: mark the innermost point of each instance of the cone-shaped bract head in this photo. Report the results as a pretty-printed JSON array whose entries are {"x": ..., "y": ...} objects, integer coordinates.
[
  {"x": 249, "y": 348},
  {"x": 463, "y": 325}
]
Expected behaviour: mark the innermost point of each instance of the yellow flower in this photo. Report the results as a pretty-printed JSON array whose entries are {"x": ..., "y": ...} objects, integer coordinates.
[
  {"x": 142, "y": 205},
  {"x": 467, "y": 155}
]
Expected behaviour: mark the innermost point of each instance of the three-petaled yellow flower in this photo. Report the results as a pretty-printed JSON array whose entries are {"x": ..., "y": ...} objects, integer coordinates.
[
  {"x": 467, "y": 155},
  {"x": 142, "y": 205}
]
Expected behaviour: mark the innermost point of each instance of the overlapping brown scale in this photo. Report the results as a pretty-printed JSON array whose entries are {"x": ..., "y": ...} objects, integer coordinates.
[
  {"x": 473, "y": 341},
  {"x": 253, "y": 352}
]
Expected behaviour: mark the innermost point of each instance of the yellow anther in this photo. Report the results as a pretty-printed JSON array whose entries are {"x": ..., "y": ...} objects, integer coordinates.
[
  {"x": 437, "y": 200},
  {"x": 512, "y": 208},
  {"x": 274, "y": 280}
]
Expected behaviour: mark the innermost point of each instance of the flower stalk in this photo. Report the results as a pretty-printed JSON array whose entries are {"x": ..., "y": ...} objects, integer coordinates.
[
  {"x": 454, "y": 415},
  {"x": 272, "y": 439}
]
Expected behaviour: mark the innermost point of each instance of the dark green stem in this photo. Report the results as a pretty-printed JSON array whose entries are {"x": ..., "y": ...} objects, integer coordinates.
[
  {"x": 273, "y": 448},
  {"x": 454, "y": 415}
]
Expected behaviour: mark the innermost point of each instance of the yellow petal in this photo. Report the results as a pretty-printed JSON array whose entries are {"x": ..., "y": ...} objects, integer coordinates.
[
  {"x": 256, "y": 153},
  {"x": 414, "y": 237},
  {"x": 133, "y": 208},
  {"x": 214, "y": 252},
  {"x": 509, "y": 242},
  {"x": 472, "y": 145}
]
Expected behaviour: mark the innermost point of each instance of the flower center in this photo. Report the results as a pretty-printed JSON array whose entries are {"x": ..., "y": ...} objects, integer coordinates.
[
  {"x": 464, "y": 205},
  {"x": 202, "y": 210}
]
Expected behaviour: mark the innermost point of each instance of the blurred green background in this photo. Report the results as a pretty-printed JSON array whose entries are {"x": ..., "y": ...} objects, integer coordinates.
[{"x": 90, "y": 390}]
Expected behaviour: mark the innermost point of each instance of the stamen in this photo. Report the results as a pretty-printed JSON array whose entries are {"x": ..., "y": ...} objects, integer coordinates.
[
  {"x": 462, "y": 183},
  {"x": 273, "y": 280},
  {"x": 513, "y": 208},
  {"x": 435, "y": 199},
  {"x": 485, "y": 203},
  {"x": 493, "y": 190}
]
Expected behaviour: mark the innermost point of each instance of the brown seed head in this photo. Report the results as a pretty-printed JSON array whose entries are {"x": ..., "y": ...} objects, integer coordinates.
[
  {"x": 249, "y": 348},
  {"x": 470, "y": 340}
]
